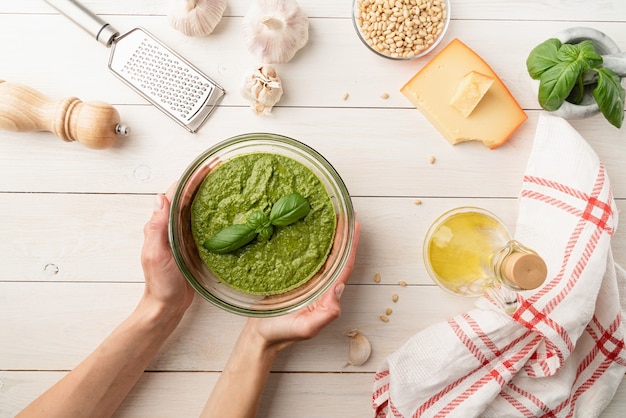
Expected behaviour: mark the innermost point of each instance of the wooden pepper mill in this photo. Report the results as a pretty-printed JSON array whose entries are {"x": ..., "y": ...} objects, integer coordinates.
[{"x": 94, "y": 124}]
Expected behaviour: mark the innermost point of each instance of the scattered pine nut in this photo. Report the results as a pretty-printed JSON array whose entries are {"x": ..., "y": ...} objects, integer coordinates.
[
  {"x": 402, "y": 283},
  {"x": 384, "y": 318},
  {"x": 394, "y": 297},
  {"x": 384, "y": 96},
  {"x": 417, "y": 202},
  {"x": 388, "y": 311},
  {"x": 377, "y": 277},
  {"x": 345, "y": 96},
  {"x": 432, "y": 159}
]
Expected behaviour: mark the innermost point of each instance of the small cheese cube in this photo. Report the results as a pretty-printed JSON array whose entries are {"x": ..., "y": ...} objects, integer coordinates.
[
  {"x": 470, "y": 92},
  {"x": 430, "y": 90}
]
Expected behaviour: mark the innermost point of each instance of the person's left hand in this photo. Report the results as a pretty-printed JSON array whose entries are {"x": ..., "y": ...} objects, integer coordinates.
[
  {"x": 280, "y": 332},
  {"x": 165, "y": 285}
]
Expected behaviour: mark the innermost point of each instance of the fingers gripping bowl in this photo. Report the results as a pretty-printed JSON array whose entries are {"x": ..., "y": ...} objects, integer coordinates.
[{"x": 214, "y": 287}]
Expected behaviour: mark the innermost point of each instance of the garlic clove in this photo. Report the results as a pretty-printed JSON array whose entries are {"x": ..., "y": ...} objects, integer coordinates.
[
  {"x": 360, "y": 348},
  {"x": 263, "y": 89},
  {"x": 196, "y": 17},
  {"x": 275, "y": 30}
]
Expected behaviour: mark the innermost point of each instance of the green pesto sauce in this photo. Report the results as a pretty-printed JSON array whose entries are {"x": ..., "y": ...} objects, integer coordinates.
[{"x": 249, "y": 182}]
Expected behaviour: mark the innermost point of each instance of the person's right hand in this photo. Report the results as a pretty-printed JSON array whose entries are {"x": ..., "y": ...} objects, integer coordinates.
[{"x": 280, "y": 332}]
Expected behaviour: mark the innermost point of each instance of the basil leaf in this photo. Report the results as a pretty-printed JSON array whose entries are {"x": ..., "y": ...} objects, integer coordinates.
[
  {"x": 557, "y": 82},
  {"x": 289, "y": 209},
  {"x": 568, "y": 53},
  {"x": 610, "y": 96},
  {"x": 266, "y": 232},
  {"x": 230, "y": 238},
  {"x": 542, "y": 57},
  {"x": 257, "y": 220},
  {"x": 589, "y": 56}
]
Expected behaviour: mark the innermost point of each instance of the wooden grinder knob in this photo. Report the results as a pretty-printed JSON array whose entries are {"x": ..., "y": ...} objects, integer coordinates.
[{"x": 94, "y": 124}]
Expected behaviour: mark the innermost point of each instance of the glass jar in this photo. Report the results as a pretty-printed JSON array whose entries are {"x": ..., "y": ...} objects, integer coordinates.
[{"x": 468, "y": 251}]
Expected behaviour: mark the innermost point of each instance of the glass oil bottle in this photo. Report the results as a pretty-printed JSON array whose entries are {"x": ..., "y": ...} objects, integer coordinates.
[{"x": 468, "y": 251}]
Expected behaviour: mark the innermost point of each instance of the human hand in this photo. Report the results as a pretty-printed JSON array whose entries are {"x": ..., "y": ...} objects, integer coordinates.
[
  {"x": 280, "y": 332},
  {"x": 165, "y": 285}
]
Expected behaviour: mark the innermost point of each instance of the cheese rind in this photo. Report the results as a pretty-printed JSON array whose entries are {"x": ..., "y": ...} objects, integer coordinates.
[
  {"x": 431, "y": 89},
  {"x": 470, "y": 92}
]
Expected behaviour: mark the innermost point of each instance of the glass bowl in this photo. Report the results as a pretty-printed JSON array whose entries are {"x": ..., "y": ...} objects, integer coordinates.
[
  {"x": 200, "y": 276},
  {"x": 416, "y": 42}
]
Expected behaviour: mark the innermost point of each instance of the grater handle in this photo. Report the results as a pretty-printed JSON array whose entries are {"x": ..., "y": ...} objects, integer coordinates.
[
  {"x": 86, "y": 19},
  {"x": 94, "y": 124}
]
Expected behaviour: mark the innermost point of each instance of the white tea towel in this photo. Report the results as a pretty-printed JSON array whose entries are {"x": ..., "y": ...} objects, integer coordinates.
[{"x": 561, "y": 353}]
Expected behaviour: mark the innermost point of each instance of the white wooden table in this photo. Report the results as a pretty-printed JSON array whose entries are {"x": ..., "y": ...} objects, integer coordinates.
[{"x": 71, "y": 218}]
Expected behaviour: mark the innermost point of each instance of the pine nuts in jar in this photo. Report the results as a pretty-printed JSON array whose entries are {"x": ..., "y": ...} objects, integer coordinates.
[{"x": 401, "y": 29}]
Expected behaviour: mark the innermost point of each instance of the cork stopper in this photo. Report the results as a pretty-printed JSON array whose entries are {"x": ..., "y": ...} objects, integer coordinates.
[{"x": 527, "y": 270}]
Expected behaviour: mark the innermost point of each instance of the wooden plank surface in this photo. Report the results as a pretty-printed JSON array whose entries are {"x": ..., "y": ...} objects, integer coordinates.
[
  {"x": 71, "y": 219},
  {"x": 288, "y": 394},
  {"x": 317, "y": 76},
  {"x": 186, "y": 393},
  {"x": 98, "y": 237},
  {"x": 157, "y": 154},
  {"x": 84, "y": 313},
  {"x": 573, "y": 11}
]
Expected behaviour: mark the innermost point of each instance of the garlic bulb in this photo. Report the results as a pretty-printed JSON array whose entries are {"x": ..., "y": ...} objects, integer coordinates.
[
  {"x": 263, "y": 89},
  {"x": 275, "y": 30},
  {"x": 196, "y": 17},
  {"x": 360, "y": 348}
]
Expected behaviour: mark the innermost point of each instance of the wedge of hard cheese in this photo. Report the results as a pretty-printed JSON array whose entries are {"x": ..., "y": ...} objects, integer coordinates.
[{"x": 440, "y": 84}]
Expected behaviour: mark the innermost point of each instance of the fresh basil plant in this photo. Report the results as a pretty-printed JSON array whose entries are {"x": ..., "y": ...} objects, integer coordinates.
[
  {"x": 561, "y": 69},
  {"x": 287, "y": 210}
]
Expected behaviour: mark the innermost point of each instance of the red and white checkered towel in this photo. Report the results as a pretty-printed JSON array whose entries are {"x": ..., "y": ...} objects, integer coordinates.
[{"x": 562, "y": 352}]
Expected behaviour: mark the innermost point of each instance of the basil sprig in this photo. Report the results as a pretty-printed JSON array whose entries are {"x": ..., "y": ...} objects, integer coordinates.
[
  {"x": 561, "y": 70},
  {"x": 287, "y": 210}
]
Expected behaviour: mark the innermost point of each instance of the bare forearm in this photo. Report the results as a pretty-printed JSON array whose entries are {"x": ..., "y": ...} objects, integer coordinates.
[
  {"x": 99, "y": 384},
  {"x": 238, "y": 391}
]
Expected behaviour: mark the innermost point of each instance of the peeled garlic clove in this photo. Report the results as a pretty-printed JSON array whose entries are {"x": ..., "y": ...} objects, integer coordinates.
[
  {"x": 263, "y": 89},
  {"x": 360, "y": 348},
  {"x": 275, "y": 30},
  {"x": 196, "y": 17}
]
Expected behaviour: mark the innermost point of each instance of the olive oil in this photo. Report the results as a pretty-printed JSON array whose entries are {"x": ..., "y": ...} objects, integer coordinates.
[
  {"x": 460, "y": 247},
  {"x": 468, "y": 251}
]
